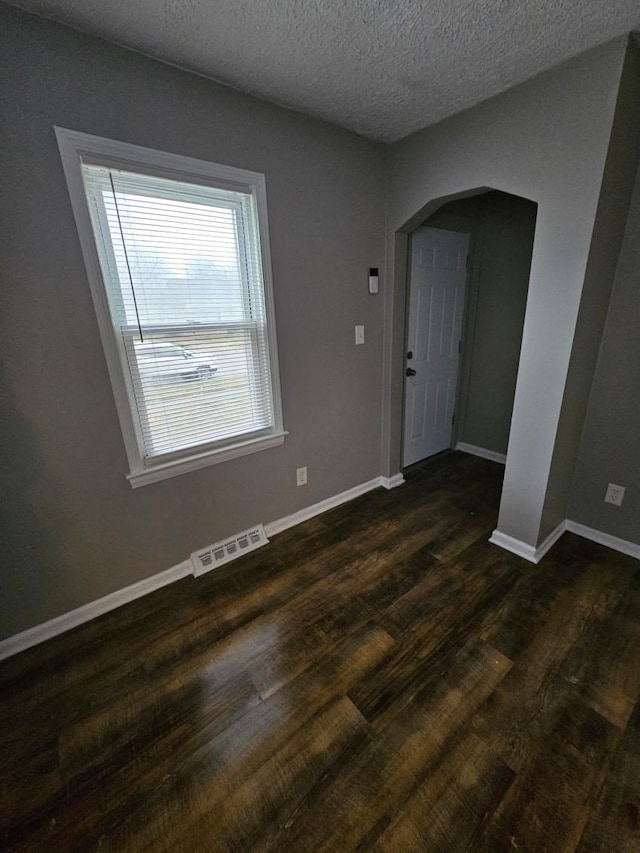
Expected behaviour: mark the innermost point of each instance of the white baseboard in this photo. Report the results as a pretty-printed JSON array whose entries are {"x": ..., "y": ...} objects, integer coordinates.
[
  {"x": 53, "y": 627},
  {"x": 513, "y": 545},
  {"x": 329, "y": 503},
  {"x": 523, "y": 549},
  {"x": 47, "y": 630},
  {"x": 392, "y": 482},
  {"x": 534, "y": 555},
  {"x": 481, "y": 451},
  {"x": 621, "y": 545},
  {"x": 550, "y": 541}
]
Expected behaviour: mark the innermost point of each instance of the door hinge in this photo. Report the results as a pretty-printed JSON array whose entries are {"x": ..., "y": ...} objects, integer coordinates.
[
  {"x": 459, "y": 347},
  {"x": 453, "y": 420},
  {"x": 468, "y": 262}
]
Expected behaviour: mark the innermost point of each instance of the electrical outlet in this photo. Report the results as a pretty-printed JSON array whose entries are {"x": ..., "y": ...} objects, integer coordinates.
[
  {"x": 359, "y": 335},
  {"x": 615, "y": 494},
  {"x": 301, "y": 476}
]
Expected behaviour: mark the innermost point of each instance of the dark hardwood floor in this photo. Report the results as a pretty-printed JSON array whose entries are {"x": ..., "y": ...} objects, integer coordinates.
[{"x": 378, "y": 678}]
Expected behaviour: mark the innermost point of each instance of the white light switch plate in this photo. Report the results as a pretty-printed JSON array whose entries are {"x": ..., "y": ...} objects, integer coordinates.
[{"x": 359, "y": 335}]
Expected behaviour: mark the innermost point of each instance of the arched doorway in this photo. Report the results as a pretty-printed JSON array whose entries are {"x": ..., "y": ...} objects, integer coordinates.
[{"x": 463, "y": 325}]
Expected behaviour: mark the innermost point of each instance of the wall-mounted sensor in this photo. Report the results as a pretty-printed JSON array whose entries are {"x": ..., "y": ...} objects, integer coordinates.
[{"x": 373, "y": 279}]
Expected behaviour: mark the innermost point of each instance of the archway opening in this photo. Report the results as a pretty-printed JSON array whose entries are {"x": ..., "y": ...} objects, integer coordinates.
[{"x": 463, "y": 320}]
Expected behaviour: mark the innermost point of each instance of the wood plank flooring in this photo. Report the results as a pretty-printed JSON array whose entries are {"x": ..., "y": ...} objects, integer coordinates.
[{"x": 379, "y": 678}]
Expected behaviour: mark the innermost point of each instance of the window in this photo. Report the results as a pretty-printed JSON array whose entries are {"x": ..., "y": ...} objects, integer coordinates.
[{"x": 177, "y": 255}]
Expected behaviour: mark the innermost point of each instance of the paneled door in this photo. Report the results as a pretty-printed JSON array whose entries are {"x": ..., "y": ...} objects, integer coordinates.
[{"x": 437, "y": 280}]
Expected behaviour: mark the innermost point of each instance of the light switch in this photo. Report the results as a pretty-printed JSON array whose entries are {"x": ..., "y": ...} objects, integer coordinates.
[{"x": 359, "y": 335}]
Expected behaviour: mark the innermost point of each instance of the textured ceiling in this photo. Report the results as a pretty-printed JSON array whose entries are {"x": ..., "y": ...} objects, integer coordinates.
[{"x": 383, "y": 68}]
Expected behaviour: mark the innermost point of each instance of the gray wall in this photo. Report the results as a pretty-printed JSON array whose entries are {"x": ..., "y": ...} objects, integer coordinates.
[
  {"x": 610, "y": 445},
  {"x": 546, "y": 141},
  {"x": 606, "y": 241},
  {"x": 502, "y": 228},
  {"x": 72, "y": 529}
]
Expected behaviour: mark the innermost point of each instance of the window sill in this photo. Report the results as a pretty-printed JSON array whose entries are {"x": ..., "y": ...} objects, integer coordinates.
[{"x": 163, "y": 471}]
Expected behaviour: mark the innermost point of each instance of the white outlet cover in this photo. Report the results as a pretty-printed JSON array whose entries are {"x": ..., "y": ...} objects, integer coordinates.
[{"x": 614, "y": 495}]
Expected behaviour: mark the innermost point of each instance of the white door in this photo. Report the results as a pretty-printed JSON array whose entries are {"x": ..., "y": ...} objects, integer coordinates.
[{"x": 437, "y": 279}]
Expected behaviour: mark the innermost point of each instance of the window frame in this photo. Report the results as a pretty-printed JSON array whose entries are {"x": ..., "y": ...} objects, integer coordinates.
[{"x": 75, "y": 148}]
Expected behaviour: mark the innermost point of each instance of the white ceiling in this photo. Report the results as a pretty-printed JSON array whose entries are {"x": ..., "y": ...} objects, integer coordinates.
[{"x": 383, "y": 68}]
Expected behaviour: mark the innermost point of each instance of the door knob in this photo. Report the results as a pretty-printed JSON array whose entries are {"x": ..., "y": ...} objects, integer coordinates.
[{"x": 410, "y": 371}]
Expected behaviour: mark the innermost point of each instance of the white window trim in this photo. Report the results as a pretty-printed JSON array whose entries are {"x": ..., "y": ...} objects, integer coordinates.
[{"x": 73, "y": 146}]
